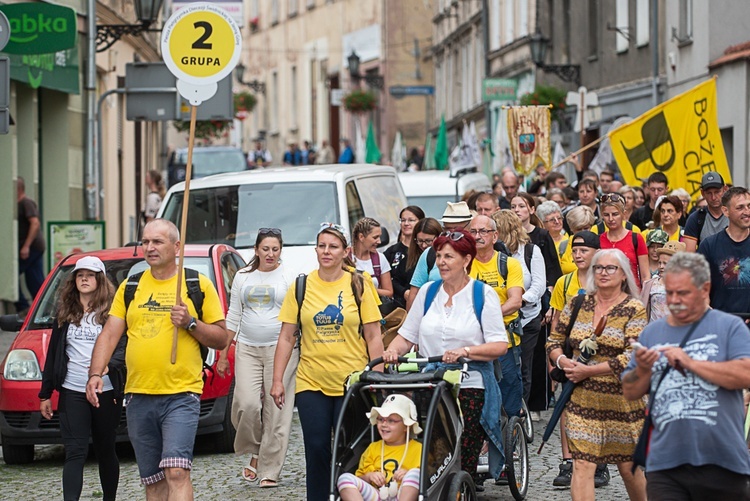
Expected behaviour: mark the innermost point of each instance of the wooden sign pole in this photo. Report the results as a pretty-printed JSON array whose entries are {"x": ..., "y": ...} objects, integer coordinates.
[{"x": 183, "y": 222}]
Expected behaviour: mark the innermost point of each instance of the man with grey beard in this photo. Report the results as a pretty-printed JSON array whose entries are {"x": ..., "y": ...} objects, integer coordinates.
[{"x": 697, "y": 448}]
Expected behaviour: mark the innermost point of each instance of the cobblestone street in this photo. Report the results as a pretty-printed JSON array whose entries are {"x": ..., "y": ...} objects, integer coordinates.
[{"x": 217, "y": 476}]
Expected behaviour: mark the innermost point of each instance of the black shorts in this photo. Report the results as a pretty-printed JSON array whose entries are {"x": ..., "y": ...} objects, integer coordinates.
[{"x": 697, "y": 483}]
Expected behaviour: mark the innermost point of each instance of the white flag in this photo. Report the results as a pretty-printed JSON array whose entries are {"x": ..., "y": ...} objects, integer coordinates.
[
  {"x": 398, "y": 153},
  {"x": 502, "y": 158},
  {"x": 360, "y": 152},
  {"x": 603, "y": 157},
  {"x": 476, "y": 150},
  {"x": 568, "y": 169}
]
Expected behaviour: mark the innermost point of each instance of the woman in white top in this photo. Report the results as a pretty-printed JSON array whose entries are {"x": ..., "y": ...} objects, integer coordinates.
[
  {"x": 83, "y": 306},
  {"x": 365, "y": 241},
  {"x": 156, "y": 193},
  {"x": 450, "y": 328},
  {"x": 257, "y": 294},
  {"x": 511, "y": 231}
]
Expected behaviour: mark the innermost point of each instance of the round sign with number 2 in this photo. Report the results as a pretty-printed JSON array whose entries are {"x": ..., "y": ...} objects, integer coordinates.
[{"x": 200, "y": 44}]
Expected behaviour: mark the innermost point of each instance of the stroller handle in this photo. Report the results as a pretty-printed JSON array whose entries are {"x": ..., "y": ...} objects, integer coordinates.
[{"x": 418, "y": 360}]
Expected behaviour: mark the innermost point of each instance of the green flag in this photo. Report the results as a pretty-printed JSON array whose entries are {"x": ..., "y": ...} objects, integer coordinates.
[
  {"x": 441, "y": 147},
  {"x": 373, "y": 152}
]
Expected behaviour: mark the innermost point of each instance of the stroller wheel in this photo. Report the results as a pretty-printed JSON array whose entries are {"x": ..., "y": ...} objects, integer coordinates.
[
  {"x": 461, "y": 488},
  {"x": 516, "y": 458}
]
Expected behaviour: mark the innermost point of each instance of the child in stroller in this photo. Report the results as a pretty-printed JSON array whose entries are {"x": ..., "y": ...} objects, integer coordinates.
[{"x": 389, "y": 468}]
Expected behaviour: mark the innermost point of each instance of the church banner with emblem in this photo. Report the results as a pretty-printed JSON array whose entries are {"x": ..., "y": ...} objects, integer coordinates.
[
  {"x": 529, "y": 129},
  {"x": 680, "y": 138}
]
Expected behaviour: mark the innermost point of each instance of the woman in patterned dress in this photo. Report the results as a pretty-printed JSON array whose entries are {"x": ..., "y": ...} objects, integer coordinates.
[{"x": 602, "y": 427}]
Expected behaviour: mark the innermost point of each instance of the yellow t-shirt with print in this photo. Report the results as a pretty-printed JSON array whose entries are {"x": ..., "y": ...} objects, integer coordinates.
[
  {"x": 560, "y": 296},
  {"x": 371, "y": 461},
  {"x": 150, "y": 332},
  {"x": 674, "y": 237},
  {"x": 489, "y": 274},
  {"x": 331, "y": 345}
]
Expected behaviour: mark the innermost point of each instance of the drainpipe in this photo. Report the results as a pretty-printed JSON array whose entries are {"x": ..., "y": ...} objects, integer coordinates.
[
  {"x": 487, "y": 69},
  {"x": 655, "y": 52},
  {"x": 91, "y": 181}
]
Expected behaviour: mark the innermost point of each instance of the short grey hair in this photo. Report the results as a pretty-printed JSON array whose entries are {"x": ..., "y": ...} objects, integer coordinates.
[
  {"x": 580, "y": 218},
  {"x": 693, "y": 263},
  {"x": 546, "y": 209},
  {"x": 629, "y": 286}
]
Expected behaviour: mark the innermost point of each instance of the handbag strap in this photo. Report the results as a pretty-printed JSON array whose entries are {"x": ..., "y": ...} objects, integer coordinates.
[
  {"x": 666, "y": 370},
  {"x": 577, "y": 303}
]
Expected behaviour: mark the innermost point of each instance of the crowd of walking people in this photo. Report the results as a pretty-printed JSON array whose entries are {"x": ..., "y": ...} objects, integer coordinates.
[{"x": 606, "y": 291}]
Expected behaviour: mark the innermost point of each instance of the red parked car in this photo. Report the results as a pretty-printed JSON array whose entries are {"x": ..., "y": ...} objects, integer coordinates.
[{"x": 21, "y": 423}]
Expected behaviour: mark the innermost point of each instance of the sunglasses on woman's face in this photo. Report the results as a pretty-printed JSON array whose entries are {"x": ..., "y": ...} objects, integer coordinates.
[
  {"x": 270, "y": 231},
  {"x": 454, "y": 236}
]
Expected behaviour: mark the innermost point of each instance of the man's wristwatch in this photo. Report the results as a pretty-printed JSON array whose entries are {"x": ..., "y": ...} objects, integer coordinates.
[{"x": 192, "y": 325}]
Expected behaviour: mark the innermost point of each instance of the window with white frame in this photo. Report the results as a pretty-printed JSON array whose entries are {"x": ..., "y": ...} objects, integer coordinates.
[
  {"x": 274, "y": 91},
  {"x": 293, "y": 7},
  {"x": 593, "y": 28},
  {"x": 642, "y": 27},
  {"x": 495, "y": 25},
  {"x": 685, "y": 33},
  {"x": 523, "y": 21},
  {"x": 510, "y": 22},
  {"x": 622, "y": 19},
  {"x": 294, "y": 99},
  {"x": 274, "y": 11}
]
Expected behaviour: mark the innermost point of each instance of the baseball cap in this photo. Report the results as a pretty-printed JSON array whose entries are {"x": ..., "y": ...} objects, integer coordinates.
[
  {"x": 657, "y": 236},
  {"x": 456, "y": 212},
  {"x": 91, "y": 263},
  {"x": 586, "y": 239},
  {"x": 712, "y": 180},
  {"x": 671, "y": 248},
  {"x": 400, "y": 405}
]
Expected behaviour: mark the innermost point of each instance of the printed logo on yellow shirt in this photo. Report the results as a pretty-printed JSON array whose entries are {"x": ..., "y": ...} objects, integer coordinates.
[
  {"x": 329, "y": 321},
  {"x": 153, "y": 315}
]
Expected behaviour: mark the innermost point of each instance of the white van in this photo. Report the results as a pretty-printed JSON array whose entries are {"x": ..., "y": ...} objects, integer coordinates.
[
  {"x": 431, "y": 189},
  {"x": 230, "y": 208}
]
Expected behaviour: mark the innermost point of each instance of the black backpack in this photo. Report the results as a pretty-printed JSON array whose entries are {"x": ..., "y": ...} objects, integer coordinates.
[{"x": 196, "y": 295}]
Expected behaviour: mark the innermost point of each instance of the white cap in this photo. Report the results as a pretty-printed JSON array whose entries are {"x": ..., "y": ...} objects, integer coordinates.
[
  {"x": 400, "y": 405},
  {"x": 90, "y": 263}
]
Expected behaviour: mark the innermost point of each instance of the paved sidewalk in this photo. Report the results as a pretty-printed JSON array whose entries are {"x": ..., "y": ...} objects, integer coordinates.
[{"x": 217, "y": 476}]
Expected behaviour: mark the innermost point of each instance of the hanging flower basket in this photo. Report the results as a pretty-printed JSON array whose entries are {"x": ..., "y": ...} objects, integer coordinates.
[
  {"x": 244, "y": 102},
  {"x": 204, "y": 129},
  {"x": 547, "y": 94},
  {"x": 360, "y": 101}
]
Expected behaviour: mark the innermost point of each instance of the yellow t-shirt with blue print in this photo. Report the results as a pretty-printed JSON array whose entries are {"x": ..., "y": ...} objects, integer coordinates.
[{"x": 489, "y": 274}]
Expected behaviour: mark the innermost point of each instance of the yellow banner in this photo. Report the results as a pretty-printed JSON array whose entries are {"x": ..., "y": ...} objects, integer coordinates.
[
  {"x": 680, "y": 138},
  {"x": 529, "y": 129}
]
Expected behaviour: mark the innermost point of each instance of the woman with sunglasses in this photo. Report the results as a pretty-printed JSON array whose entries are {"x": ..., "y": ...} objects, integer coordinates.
[
  {"x": 617, "y": 236},
  {"x": 398, "y": 253},
  {"x": 258, "y": 291},
  {"x": 601, "y": 426},
  {"x": 336, "y": 300},
  {"x": 449, "y": 327},
  {"x": 82, "y": 309}
]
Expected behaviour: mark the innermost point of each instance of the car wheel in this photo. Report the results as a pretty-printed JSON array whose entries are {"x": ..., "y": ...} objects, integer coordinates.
[
  {"x": 224, "y": 440},
  {"x": 17, "y": 454}
]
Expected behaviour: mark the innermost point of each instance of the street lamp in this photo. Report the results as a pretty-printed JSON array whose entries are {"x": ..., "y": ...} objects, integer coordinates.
[
  {"x": 147, "y": 12},
  {"x": 257, "y": 86},
  {"x": 376, "y": 81},
  {"x": 567, "y": 72}
]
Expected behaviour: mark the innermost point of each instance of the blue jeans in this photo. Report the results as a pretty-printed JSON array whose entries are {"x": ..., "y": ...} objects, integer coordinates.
[
  {"x": 511, "y": 386},
  {"x": 318, "y": 415},
  {"x": 162, "y": 431},
  {"x": 32, "y": 269}
]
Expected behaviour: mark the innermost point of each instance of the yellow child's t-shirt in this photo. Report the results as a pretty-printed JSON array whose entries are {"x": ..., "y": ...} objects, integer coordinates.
[
  {"x": 370, "y": 460},
  {"x": 150, "y": 332},
  {"x": 489, "y": 274},
  {"x": 331, "y": 345},
  {"x": 560, "y": 296}
]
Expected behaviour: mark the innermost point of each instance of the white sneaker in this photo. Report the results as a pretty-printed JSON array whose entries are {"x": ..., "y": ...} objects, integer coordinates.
[{"x": 535, "y": 415}]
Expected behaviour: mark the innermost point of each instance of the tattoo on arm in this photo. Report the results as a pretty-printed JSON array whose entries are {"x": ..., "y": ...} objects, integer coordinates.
[{"x": 631, "y": 377}]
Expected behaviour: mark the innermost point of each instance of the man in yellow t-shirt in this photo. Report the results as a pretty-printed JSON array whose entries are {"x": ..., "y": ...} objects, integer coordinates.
[
  {"x": 510, "y": 290},
  {"x": 163, "y": 399}
]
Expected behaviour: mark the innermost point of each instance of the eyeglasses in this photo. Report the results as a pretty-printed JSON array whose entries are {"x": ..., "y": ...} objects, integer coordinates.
[
  {"x": 454, "y": 236},
  {"x": 390, "y": 421},
  {"x": 556, "y": 219},
  {"x": 482, "y": 231},
  {"x": 615, "y": 198},
  {"x": 426, "y": 241},
  {"x": 408, "y": 221},
  {"x": 269, "y": 231},
  {"x": 611, "y": 269}
]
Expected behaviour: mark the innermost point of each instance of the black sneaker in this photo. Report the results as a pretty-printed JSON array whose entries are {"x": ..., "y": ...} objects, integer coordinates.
[
  {"x": 601, "y": 477},
  {"x": 566, "y": 473}
]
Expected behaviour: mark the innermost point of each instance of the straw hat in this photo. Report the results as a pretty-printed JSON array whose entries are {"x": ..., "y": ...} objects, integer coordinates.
[{"x": 456, "y": 212}]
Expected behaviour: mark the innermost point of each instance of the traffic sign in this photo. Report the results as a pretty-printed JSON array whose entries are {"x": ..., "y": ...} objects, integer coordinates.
[
  {"x": 411, "y": 90},
  {"x": 4, "y": 30},
  {"x": 200, "y": 44}
]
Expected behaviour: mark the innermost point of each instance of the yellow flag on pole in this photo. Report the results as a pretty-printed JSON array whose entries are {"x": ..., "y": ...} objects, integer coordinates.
[
  {"x": 680, "y": 138},
  {"x": 529, "y": 129}
]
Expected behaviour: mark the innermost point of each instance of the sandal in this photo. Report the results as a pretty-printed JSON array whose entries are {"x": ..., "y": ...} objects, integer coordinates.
[
  {"x": 249, "y": 472},
  {"x": 267, "y": 483}
]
